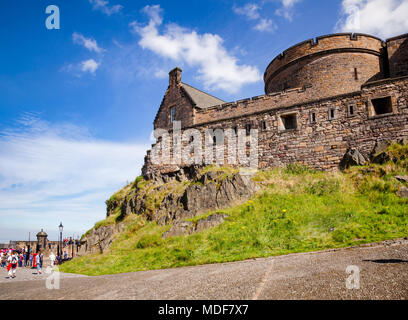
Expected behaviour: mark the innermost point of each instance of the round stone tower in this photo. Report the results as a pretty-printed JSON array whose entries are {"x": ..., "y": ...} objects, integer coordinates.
[{"x": 328, "y": 66}]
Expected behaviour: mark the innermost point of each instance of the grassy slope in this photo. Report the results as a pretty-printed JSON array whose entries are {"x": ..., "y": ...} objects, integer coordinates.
[{"x": 298, "y": 210}]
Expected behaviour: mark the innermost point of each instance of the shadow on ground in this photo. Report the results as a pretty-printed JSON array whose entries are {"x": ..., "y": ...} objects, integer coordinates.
[{"x": 387, "y": 261}]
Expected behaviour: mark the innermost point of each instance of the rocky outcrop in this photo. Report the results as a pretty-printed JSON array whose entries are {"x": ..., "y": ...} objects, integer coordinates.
[
  {"x": 379, "y": 155},
  {"x": 403, "y": 192},
  {"x": 209, "y": 191},
  {"x": 188, "y": 227},
  {"x": 173, "y": 198},
  {"x": 353, "y": 157},
  {"x": 402, "y": 178},
  {"x": 99, "y": 239}
]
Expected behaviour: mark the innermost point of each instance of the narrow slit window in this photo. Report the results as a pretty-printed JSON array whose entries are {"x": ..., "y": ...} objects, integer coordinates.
[
  {"x": 382, "y": 105},
  {"x": 355, "y": 74},
  {"x": 173, "y": 114},
  {"x": 264, "y": 126},
  {"x": 313, "y": 117},
  {"x": 332, "y": 114},
  {"x": 351, "y": 110},
  {"x": 248, "y": 129},
  {"x": 235, "y": 130}
]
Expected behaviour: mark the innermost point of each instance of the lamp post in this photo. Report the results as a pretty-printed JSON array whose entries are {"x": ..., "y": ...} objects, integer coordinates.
[{"x": 61, "y": 228}]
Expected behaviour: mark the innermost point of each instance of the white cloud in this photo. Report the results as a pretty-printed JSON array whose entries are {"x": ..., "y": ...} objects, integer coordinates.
[
  {"x": 217, "y": 68},
  {"x": 89, "y": 66},
  {"x": 266, "y": 25},
  {"x": 88, "y": 43},
  {"x": 250, "y": 10},
  {"x": 383, "y": 18},
  {"x": 52, "y": 173},
  {"x": 103, "y": 6},
  {"x": 287, "y": 8},
  {"x": 161, "y": 74},
  {"x": 154, "y": 13}
]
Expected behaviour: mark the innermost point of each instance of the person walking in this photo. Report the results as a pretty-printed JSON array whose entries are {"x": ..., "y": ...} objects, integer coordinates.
[
  {"x": 12, "y": 267},
  {"x": 20, "y": 260},
  {"x": 31, "y": 260},
  {"x": 3, "y": 259}
]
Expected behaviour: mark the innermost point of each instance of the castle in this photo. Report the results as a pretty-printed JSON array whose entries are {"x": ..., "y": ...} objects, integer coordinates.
[{"x": 323, "y": 97}]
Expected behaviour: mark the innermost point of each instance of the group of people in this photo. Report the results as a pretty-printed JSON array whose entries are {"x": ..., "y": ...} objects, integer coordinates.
[{"x": 13, "y": 259}]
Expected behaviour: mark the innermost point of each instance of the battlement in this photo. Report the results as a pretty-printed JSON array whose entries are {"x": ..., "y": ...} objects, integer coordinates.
[
  {"x": 352, "y": 59},
  {"x": 325, "y": 44},
  {"x": 253, "y": 104}
]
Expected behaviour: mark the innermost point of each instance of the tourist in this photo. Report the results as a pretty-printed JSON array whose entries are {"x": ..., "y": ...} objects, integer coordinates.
[
  {"x": 12, "y": 267},
  {"x": 3, "y": 259},
  {"x": 20, "y": 260},
  {"x": 52, "y": 259},
  {"x": 65, "y": 255},
  {"x": 34, "y": 260},
  {"x": 31, "y": 260}
]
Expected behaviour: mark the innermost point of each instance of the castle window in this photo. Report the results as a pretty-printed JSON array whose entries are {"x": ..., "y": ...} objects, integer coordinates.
[
  {"x": 351, "y": 110},
  {"x": 332, "y": 114},
  {"x": 173, "y": 114},
  {"x": 264, "y": 126},
  {"x": 355, "y": 74},
  {"x": 313, "y": 117},
  {"x": 382, "y": 105},
  {"x": 289, "y": 121},
  {"x": 235, "y": 130}
]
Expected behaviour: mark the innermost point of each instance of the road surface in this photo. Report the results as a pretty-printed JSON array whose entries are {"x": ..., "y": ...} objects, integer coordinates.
[{"x": 383, "y": 274}]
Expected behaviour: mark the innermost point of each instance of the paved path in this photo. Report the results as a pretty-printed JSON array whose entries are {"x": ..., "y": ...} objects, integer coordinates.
[
  {"x": 28, "y": 274},
  {"x": 320, "y": 275}
]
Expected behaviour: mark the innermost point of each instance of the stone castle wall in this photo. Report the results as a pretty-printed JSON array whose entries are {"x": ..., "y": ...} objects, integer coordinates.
[
  {"x": 321, "y": 144},
  {"x": 332, "y": 113},
  {"x": 397, "y": 49}
]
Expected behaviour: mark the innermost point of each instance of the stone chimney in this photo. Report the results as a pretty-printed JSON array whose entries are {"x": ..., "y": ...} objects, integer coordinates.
[{"x": 175, "y": 77}]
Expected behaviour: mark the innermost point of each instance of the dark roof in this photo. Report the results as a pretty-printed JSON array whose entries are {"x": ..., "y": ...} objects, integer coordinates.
[
  {"x": 201, "y": 99},
  {"x": 42, "y": 233}
]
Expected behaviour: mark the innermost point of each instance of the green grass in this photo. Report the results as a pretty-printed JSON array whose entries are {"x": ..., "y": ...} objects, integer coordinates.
[{"x": 298, "y": 210}]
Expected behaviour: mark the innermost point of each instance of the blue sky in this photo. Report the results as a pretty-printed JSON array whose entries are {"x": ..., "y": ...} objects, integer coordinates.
[{"x": 77, "y": 104}]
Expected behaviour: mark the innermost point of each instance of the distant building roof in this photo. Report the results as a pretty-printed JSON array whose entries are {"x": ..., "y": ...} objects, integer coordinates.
[
  {"x": 201, "y": 99},
  {"x": 42, "y": 233}
]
